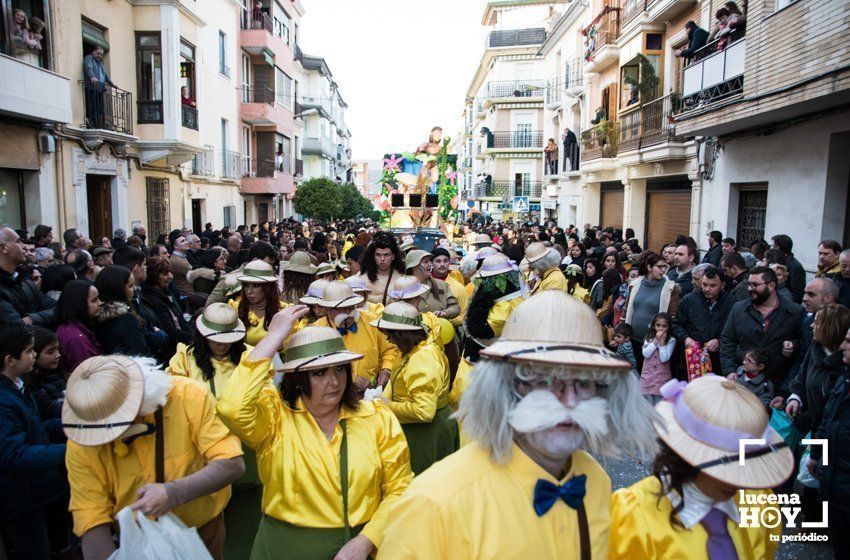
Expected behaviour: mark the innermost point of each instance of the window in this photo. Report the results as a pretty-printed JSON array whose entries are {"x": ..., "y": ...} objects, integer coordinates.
[
  {"x": 284, "y": 89},
  {"x": 149, "y": 75},
  {"x": 284, "y": 147},
  {"x": 229, "y": 212},
  {"x": 752, "y": 214},
  {"x": 17, "y": 46},
  {"x": 11, "y": 198},
  {"x": 246, "y": 78},
  {"x": 282, "y": 23},
  {"x": 782, "y": 4},
  {"x": 189, "y": 110},
  {"x": 223, "y": 68},
  {"x": 159, "y": 222}
]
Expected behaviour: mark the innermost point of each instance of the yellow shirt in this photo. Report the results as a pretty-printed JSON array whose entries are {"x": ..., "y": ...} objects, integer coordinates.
[
  {"x": 378, "y": 352},
  {"x": 640, "y": 528},
  {"x": 373, "y": 308},
  {"x": 462, "y": 297},
  {"x": 470, "y": 289},
  {"x": 183, "y": 364},
  {"x": 467, "y": 506},
  {"x": 419, "y": 384},
  {"x": 456, "y": 276},
  {"x": 552, "y": 279},
  {"x": 581, "y": 294},
  {"x": 104, "y": 479},
  {"x": 459, "y": 386},
  {"x": 501, "y": 310},
  {"x": 299, "y": 467},
  {"x": 254, "y": 329}
]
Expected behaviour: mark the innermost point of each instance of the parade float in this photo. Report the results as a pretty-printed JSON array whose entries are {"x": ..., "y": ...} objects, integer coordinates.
[{"x": 407, "y": 180}]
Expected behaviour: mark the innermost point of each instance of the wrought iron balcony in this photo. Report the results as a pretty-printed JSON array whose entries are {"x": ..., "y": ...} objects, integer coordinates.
[
  {"x": 189, "y": 116},
  {"x": 251, "y": 20},
  {"x": 516, "y": 88},
  {"x": 601, "y": 141},
  {"x": 203, "y": 164},
  {"x": 258, "y": 94},
  {"x": 507, "y": 189},
  {"x": 649, "y": 124},
  {"x": 108, "y": 108},
  {"x": 230, "y": 162},
  {"x": 515, "y": 38},
  {"x": 506, "y": 139},
  {"x": 319, "y": 147},
  {"x": 714, "y": 72},
  {"x": 251, "y": 167},
  {"x": 632, "y": 9},
  {"x": 150, "y": 111}
]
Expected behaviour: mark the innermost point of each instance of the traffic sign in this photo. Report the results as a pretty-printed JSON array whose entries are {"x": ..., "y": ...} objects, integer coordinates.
[{"x": 521, "y": 205}]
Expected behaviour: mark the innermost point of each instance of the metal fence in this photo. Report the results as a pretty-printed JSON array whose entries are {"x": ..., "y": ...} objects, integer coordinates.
[
  {"x": 516, "y": 88},
  {"x": 518, "y": 139},
  {"x": 189, "y": 116},
  {"x": 230, "y": 162},
  {"x": 515, "y": 37},
  {"x": 108, "y": 108}
]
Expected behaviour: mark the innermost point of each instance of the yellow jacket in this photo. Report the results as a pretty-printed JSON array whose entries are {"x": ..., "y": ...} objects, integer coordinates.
[
  {"x": 552, "y": 279},
  {"x": 640, "y": 528},
  {"x": 467, "y": 506},
  {"x": 581, "y": 294},
  {"x": 299, "y": 467},
  {"x": 457, "y": 277},
  {"x": 419, "y": 384},
  {"x": 104, "y": 479},
  {"x": 183, "y": 364},
  {"x": 459, "y": 386},
  {"x": 378, "y": 352},
  {"x": 254, "y": 329},
  {"x": 500, "y": 312},
  {"x": 462, "y": 297}
]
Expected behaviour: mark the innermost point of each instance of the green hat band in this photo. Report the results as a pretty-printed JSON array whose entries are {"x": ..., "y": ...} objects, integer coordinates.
[
  {"x": 413, "y": 322},
  {"x": 315, "y": 349}
]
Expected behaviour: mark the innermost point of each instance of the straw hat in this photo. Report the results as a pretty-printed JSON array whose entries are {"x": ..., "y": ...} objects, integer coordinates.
[
  {"x": 257, "y": 272},
  {"x": 536, "y": 251},
  {"x": 554, "y": 328},
  {"x": 325, "y": 268},
  {"x": 703, "y": 421},
  {"x": 482, "y": 239},
  {"x": 314, "y": 292},
  {"x": 407, "y": 246},
  {"x": 314, "y": 348},
  {"x": 232, "y": 285},
  {"x": 495, "y": 264},
  {"x": 408, "y": 287},
  {"x": 399, "y": 316},
  {"x": 415, "y": 257},
  {"x": 339, "y": 294},
  {"x": 485, "y": 252},
  {"x": 220, "y": 323},
  {"x": 300, "y": 262},
  {"x": 357, "y": 284},
  {"x": 102, "y": 399}
]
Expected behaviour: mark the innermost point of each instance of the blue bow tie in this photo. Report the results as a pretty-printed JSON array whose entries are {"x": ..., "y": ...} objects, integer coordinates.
[
  {"x": 345, "y": 330},
  {"x": 547, "y": 493}
]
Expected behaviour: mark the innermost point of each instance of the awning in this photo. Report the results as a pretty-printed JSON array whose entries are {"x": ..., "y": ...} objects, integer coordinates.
[
  {"x": 268, "y": 56},
  {"x": 94, "y": 36}
]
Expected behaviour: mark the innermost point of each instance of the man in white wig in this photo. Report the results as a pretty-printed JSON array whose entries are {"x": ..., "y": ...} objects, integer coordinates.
[
  {"x": 525, "y": 488},
  {"x": 544, "y": 264}
]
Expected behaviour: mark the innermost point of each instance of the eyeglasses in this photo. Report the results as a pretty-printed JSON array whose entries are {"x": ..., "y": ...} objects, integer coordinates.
[
  {"x": 756, "y": 284},
  {"x": 583, "y": 388}
]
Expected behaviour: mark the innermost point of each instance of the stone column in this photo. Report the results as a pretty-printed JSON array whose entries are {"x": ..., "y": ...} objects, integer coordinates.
[
  {"x": 634, "y": 207},
  {"x": 696, "y": 210},
  {"x": 591, "y": 199}
]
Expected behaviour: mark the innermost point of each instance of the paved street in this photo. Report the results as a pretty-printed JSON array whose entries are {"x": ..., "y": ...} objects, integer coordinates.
[{"x": 627, "y": 472}]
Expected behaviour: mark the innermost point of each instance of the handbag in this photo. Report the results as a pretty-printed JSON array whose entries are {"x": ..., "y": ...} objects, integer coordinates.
[{"x": 697, "y": 361}]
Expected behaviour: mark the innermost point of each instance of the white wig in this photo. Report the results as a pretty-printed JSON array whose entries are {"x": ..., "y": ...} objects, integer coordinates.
[
  {"x": 547, "y": 262},
  {"x": 486, "y": 405},
  {"x": 468, "y": 266},
  {"x": 157, "y": 385}
]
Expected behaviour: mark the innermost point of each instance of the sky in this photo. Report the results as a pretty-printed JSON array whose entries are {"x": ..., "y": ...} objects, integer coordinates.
[{"x": 402, "y": 66}]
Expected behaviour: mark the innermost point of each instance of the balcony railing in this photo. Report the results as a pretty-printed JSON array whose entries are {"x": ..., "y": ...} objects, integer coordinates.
[
  {"x": 601, "y": 141},
  {"x": 108, "y": 108},
  {"x": 230, "y": 162},
  {"x": 318, "y": 146},
  {"x": 299, "y": 167},
  {"x": 150, "y": 111},
  {"x": 715, "y": 72},
  {"x": 516, "y": 88},
  {"x": 503, "y": 189},
  {"x": 252, "y": 20},
  {"x": 572, "y": 78},
  {"x": 253, "y": 168},
  {"x": 316, "y": 101},
  {"x": 189, "y": 116},
  {"x": 517, "y": 139},
  {"x": 257, "y": 94},
  {"x": 632, "y": 9},
  {"x": 604, "y": 32},
  {"x": 649, "y": 124},
  {"x": 515, "y": 38},
  {"x": 203, "y": 164}
]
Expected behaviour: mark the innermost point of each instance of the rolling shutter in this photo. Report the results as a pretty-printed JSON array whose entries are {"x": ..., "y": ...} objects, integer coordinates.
[
  {"x": 669, "y": 215},
  {"x": 611, "y": 209}
]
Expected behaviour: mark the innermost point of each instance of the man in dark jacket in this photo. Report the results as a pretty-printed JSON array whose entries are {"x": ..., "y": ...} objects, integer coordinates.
[
  {"x": 735, "y": 269},
  {"x": 765, "y": 321},
  {"x": 20, "y": 300},
  {"x": 702, "y": 315},
  {"x": 796, "y": 282},
  {"x": 33, "y": 489},
  {"x": 697, "y": 38},
  {"x": 712, "y": 256}
]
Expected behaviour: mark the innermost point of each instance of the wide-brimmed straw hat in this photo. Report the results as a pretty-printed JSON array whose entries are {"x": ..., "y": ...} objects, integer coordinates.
[
  {"x": 314, "y": 348},
  {"x": 257, "y": 272},
  {"x": 536, "y": 251},
  {"x": 414, "y": 257},
  {"x": 325, "y": 268},
  {"x": 482, "y": 239},
  {"x": 399, "y": 316},
  {"x": 704, "y": 421},
  {"x": 102, "y": 399},
  {"x": 314, "y": 292},
  {"x": 495, "y": 264},
  {"x": 554, "y": 328},
  {"x": 220, "y": 323},
  {"x": 408, "y": 287},
  {"x": 485, "y": 252},
  {"x": 407, "y": 246},
  {"x": 300, "y": 262},
  {"x": 357, "y": 284},
  {"x": 339, "y": 294}
]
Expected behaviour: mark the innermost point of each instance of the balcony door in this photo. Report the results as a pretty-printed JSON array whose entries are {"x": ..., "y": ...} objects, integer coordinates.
[{"x": 99, "y": 197}]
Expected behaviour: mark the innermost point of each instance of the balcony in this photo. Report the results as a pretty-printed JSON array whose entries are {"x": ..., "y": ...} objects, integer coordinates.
[
  {"x": 516, "y": 88},
  {"x": 318, "y": 147},
  {"x": 508, "y": 189},
  {"x": 259, "y": 108},
  {"x": 203, "y": 164},
  {"x": 631, "y": 10},
  {"x": 262, "y": 178},
  {"x": 515, "y": 38},
  {"x": 601, "y": 141},
  {"x": 261, "y": 37},
  {"x": 601, "y": 49},
  {"x": 666, "y": 10},
  {"x": 107, "y": 108},
  {"x": 714, "y": 75},
  {"x": 33, "y": 93},
  {"x": 649, "y": 124},
  {"x": 516, "y": 139},
  {"x": 318, "y": 101},
  {"x": 189, "y": 116},
  {"x": 230, "y": 162}
]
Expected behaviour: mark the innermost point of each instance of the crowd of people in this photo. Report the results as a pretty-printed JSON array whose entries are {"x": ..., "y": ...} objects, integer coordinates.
[{"x": 332, "y": 390}]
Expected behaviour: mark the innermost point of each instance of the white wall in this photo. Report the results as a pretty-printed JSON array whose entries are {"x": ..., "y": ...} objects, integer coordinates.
[{"x": 794, "y": 162}]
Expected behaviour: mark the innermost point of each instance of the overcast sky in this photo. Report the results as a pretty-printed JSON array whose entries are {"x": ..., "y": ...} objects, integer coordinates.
[{"x": 402, "y": 66}]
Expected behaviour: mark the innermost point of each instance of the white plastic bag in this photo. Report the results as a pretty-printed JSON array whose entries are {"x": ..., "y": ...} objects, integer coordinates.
[
  {"x": 372, "y": 394},
  {"x": 167, "y": 538},
  {"x": 804, "y": 477}
]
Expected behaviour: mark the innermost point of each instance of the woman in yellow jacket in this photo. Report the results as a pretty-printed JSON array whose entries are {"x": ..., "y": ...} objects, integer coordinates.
[
  {"x": 211, "y": 360},
  {"x": 692, "y": 504},
  {"x": 259, "y": 300},
  {"x": 331, "y": 464},
  {"x": 418, "y": 390}
]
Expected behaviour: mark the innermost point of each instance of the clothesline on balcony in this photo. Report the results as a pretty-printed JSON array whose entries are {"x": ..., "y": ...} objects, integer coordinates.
[{"x": 606, "y": 10}]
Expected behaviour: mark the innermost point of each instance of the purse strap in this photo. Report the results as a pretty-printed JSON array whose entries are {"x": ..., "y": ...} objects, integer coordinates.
[
  {"x": 159, "y": 446},
  {"x": 343, "y": 478},
  {"x": 387, "y": 287}
]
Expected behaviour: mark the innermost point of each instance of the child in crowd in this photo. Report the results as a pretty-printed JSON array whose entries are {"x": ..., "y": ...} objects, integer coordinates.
[
  {"x": 34, "y": 516},
  {"x": 622, "y": 341},
  {"x": 657, "y": 351},
  {"x": 46, "y": 381},
  {"x": 753, "y": 376}
]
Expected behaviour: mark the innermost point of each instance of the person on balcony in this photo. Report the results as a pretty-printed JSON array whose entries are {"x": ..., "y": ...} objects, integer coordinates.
[
  {"x": 601, "y": 115},
  {"x": 95, "y": 77},
  {"x": 551, "y": 151},
  {"x": 570, "y": 143},
  {"x": 697, "y": 39},
  {"x": 258, "y": 15},
  {"x": 186, "y": 99}
]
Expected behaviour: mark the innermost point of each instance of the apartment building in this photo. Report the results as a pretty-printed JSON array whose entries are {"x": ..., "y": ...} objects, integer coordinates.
[
  {"x": 770, "y": 115},
  {"x": 503, "y": 120}
]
